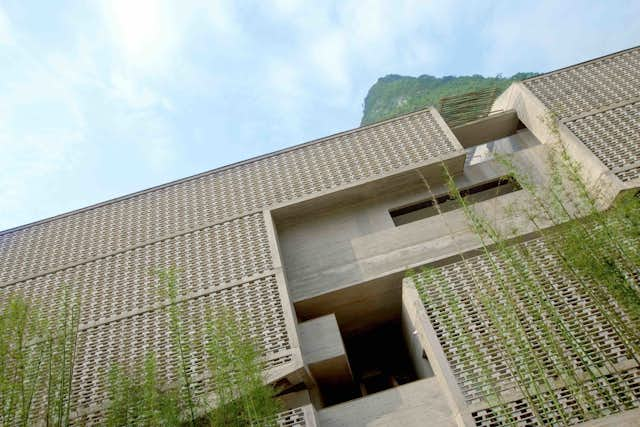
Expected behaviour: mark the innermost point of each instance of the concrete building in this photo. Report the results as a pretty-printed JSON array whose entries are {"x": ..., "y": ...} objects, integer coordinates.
[{"x": 313, "y": 242}]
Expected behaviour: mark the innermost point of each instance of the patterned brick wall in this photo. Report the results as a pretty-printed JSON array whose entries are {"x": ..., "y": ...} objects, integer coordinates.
[
  {"x": 224, "y": 194},
  {"x": 590, "y": 86},
  {"x": 599, "y": 101},
  {"x": 211, "y": 227},
  {"x": 492, "y": 362},
  {"x": 614, "y": 137}
]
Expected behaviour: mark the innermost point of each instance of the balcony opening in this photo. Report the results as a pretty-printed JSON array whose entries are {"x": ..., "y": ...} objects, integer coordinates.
[
  {"x": 500, "y": 132},
  {"x": 357, "y": 342},
  {"x": 379, "y": 359}
]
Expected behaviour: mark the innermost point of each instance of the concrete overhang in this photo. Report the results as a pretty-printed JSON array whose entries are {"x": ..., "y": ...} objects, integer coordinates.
[
  {"x": 433, "y": 170},
  {"x": 490, "y": 128}
]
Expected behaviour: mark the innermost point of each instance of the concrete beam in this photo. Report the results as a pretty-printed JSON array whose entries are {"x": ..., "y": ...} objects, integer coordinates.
[
  {"x": 417, "y": 404},
  {"x": 417, "y": 316},
  {"x": 487, "y": 129},
  {"x": 324, "y": 353}
]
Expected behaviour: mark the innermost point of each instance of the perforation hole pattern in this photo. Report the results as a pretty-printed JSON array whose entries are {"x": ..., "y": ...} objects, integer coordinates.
[
  {"x": 623, "y": 393},
  {"x": 108, "y": 287},
  {"x": 478, "y": 358},
  {"x": 614, "y": 137},
  {"x": 589, "y": 86},
  {"x": 128, "y": 340},
  {"x": 295, "y": 417},
  {"x": 218, "y": 195},
  {"x": 292, "y": 418},
  {"x": 630, "y": 174}
]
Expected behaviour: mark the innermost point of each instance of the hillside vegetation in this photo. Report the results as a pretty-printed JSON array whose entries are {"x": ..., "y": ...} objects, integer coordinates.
[{"x": 393, "y": 95}]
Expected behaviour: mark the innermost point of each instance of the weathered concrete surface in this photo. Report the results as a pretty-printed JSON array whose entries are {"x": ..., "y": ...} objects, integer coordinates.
[
  {"x": 295, "y": 399},
  {"x": 624, "y": 419},
  {"x": 358, "y": 308},
  {"x": 521, "y": 140},
  {"x": 324, "y": 354},
  {"x": 320, "y": 339},
  {"x": 420, "y": 403},
  {"x": 543, "y": 124},
  {"x": 415, "y": 315},
  {"x": 349, "y": 258},
  {"x": 352, "y": 244},
  {"x": 417, "y": 353},
  {"x": 350, "y": 261},
  {"x": 487, "y": 129}
]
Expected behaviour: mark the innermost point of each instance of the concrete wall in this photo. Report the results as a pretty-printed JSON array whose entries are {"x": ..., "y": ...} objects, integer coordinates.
[
  {"x": 416, "y": 350},
  {"x": 415, "y": 314},
  {"x": 420, "y": 403},
  {"x": 541, "y": 122},
  {"x": 352, "y": 244},
  {"x": 324, "y": 353},
  {"x": 349, "y": 259}
]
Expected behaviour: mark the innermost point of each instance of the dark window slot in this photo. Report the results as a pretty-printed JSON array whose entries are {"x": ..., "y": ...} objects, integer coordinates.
[{"x": 447, "y": 202}]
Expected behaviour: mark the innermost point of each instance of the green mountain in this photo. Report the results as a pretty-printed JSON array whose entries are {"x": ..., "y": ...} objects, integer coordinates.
[{"x": 393, "y": 95}]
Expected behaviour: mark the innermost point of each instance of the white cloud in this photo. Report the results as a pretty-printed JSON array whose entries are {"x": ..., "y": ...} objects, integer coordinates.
[
  {"x": 136, "y": 96},
  {"x": 369, "y": 25},
  {"x": 285, "y": 90},
  {"x": 56, "y": 111},
  {"x": 140, "y": 116},
  {"x": 146, "y": 33},
  {"x": 150, "y": 35},
  {"x": 6, "y": 33},
  {"x": 221, "y": 14},
  {"x": 546, "y": 34},
  {"x": 339, "y": 44},
  {"x": 137, "y": 25},
  {"x": 42, "y": 132},
  {"x": 287, "y": 7},
  {"x": 146, "y": 138},
  {"x": 157, "y": 69},
  {"x": 329, "y": 54},
  {"x": 284, "y": 78}
]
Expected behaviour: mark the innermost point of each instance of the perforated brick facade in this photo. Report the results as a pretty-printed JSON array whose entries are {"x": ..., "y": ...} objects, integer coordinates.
[
  {"x": 223, "y": 194},
  {"x": 504, "y": 333},
  {"x": 294, "y": 418},
  {"x": 212, "y": 227},
  {"x": 216, "y": 228},
  {"x": 599, "y": 101},
  {"x": 588, "y": 87},
  {"x": 613, "y": 136}
]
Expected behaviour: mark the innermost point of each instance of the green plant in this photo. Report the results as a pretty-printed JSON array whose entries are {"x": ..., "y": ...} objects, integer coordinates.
[
  {"x": 541, "y": 343},
  {"x": 394, "y": 95},
  {"x": 491, "y": 389},
  {"x": 235, "y": 374},
  {"x": 237, "y": 369},
  {"x": 37, "y": 357},
  {"x": 501, "y": 300},
  {"x": 138, "y": 397},
  {"x": 181, "y": 343},
  {"x": 595, "y": 245}
]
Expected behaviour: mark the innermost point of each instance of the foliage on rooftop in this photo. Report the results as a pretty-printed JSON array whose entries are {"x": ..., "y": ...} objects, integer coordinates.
[{"x": 394, "y": 95}]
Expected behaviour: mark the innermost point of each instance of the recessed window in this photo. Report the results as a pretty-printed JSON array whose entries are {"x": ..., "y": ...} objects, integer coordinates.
[{"x": 446, "y": 202}]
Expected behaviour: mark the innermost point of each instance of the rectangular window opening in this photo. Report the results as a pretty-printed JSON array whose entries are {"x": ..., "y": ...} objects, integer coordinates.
[{"x": 446, "y": 202}]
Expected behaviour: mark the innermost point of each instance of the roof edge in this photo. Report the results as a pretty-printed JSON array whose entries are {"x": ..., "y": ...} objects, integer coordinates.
[
  {"x": 568, "y": 67},
  {"x": 208, "y": 172}
]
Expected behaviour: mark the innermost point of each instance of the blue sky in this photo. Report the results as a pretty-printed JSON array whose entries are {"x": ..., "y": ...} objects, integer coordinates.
[{"x": 100, "y": 99}]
